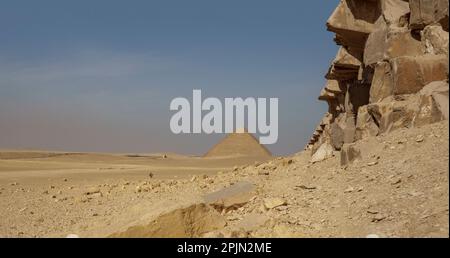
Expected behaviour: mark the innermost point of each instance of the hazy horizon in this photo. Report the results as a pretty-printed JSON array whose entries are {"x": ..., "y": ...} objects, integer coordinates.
[{"x": 99, "y": 76}]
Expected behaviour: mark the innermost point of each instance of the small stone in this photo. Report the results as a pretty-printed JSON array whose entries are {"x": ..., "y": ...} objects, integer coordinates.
[
  {"x": 370, "y": 164},
  {"x": 194, "y": 178},
  {"x": 396, "y": 181},
  {"x": 420, "y": 138},
  {"x": 263, "y": 173},
  {"x": 372, "y": 212},
  {"x": 271, "y": 203},
  {"x": 378, "y": 217},
  {"x": 349, "y": 189},
  {"x": 150, "y": 175},
  {"x": 304, "y": 187},
  {"x": 92, "y": 190},
  {"x": 402, "y": 141}
]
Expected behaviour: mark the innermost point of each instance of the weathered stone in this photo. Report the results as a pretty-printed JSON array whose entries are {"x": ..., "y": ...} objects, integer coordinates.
[
  {"x": 411, "y": 74},
  {"x": 335, "y": 86},
  {"x": 365, "y": 124},
  {"x": 347, "y": 123},
  {"x": 270, "y": 203},
  {"x": 426, "y": 12},
  {"x": 326, "y": 95},
  {"x": 337, "y": 136},
  {"x": 382, "y": 84},
  {"x": 393, "y": 113},
  {"x": 325, "y": 151},
  {"x": 389, "y": 42},
  {"x": 232, "y": 197},
  {"x": 394, "y": 11},
  {"x": 433, "y": 107},
  {"x": 347, "y": 60},
  {"x": 352, "y": 21},
  {"x": 349, "y": 153},
  {"x": 435, "y": 40}
]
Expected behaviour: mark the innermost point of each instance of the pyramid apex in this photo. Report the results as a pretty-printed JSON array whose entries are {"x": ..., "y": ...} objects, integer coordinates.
[{"x": 240, "y": 143}]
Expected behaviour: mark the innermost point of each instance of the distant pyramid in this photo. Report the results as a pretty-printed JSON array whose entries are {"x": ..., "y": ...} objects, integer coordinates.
[{"x": 240, "y": 143}]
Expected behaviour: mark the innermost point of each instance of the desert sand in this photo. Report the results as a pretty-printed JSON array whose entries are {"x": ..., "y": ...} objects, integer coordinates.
[{"x": 391, "y": 190}]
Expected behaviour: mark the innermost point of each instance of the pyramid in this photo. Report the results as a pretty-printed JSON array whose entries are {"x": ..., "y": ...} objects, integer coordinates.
[{"x": 240, "y": 143}]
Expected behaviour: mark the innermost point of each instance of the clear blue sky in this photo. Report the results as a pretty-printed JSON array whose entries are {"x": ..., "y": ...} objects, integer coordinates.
[{"x": 99, "y": 75}]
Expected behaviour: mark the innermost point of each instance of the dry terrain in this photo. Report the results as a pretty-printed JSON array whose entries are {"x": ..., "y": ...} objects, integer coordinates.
[{"x": 397, "y": 188}]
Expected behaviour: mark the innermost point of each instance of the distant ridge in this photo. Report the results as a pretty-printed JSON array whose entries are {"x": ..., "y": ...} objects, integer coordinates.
[{"x": 240, "y": 143}]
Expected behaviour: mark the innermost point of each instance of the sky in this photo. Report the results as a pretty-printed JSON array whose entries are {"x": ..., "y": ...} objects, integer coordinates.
[{"x": 99, "y": 75}]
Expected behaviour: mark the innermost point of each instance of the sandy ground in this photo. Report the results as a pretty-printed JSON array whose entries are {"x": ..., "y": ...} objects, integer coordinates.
[{"x": 399, "y": 188}]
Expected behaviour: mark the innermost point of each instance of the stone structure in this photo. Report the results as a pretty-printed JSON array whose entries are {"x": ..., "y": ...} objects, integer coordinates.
[
  {"x": 391, "y": 70},
  {"x": 240, "y": 143}
]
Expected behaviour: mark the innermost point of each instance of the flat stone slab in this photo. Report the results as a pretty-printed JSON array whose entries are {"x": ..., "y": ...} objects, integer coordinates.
[{"x": 231, "y": 197}]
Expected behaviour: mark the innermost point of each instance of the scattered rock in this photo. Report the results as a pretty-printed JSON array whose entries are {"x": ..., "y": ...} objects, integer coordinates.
[
  {"x": 92, "y": 190},
  {"x": 349, "y": 189},
  {"x": 371, "y": 164},
  {"x": 378, "y": 217},
  {"x": 232, "y": 197},
  {"x": 304, "y": 187},
  {"x": 420, "y": 138},
  {"x": 324, "y": 152},
  {"x": 270, "y": 203}
]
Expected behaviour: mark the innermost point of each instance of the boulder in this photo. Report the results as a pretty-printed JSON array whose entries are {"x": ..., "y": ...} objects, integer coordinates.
[
  {"x": 348, "y": 154},
  {"x": 388, "y": 42},
  {"x": 347, "y": 60},
  {"x": 337, "y": 136},
  {"x": 411, "y": 73},
  {"x": 395, "y": 11},
  {"x": 366, "y": 126},
  {"x": 394, "y": 113},
  {"x": 352, "y": 21},
  {"x": 435, "y": 40},
  {"x": 426, "y": 12},
  {"x": 382, "y": 85},
  {"x": 231, "y": 197},
  {"x": 325, "y": 151},
  {"x": 270, "y": 203},
  {"x": 347, "y": 123},
  {"x": 433, "y": 107}
]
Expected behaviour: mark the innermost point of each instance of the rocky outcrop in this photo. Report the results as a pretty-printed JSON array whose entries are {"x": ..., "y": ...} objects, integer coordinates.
[{"x": 390, "y": 72}]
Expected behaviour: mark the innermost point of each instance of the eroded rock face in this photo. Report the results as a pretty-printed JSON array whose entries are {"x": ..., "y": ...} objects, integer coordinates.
[
  {"x": 411, "y": 73},
  {"x": 426, "y": 12},
  {"x": 390, "y": 72}
]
